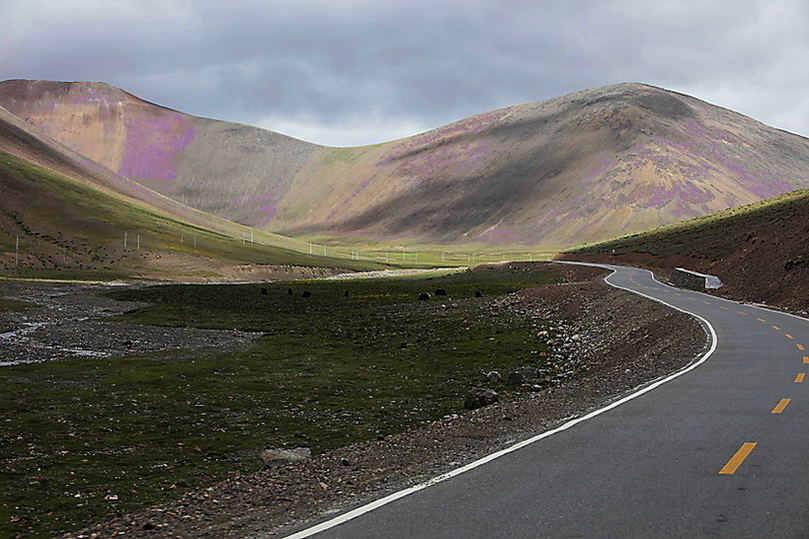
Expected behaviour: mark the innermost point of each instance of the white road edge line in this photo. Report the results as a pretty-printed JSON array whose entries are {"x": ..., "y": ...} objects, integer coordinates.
[{"x": 359, "y": 511}]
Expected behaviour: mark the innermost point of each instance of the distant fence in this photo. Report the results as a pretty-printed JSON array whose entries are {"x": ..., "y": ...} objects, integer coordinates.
[
  {"x": 16, "y": 249},
  {"x": 693, "y": 280}
]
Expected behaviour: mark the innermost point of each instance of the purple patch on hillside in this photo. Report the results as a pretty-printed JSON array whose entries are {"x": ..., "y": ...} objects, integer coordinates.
[
  {"x": 681, "y": 192},
  {"x": 451, "y": 149},
  {"x": 499, "y": 235},
  {"x": 152, "y": 142},
  {"x": 721, "y": 151},
  {"x": 267, "y": 203}
]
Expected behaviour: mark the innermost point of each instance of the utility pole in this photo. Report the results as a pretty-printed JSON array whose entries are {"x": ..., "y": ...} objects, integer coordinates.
[{"x": 17, "y": 253}]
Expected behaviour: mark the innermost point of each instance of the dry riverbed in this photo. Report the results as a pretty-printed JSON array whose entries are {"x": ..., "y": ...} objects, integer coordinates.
[{"x": 67, "y": 320}]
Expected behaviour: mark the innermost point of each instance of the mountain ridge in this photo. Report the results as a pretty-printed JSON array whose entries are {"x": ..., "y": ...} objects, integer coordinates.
[{"x": 573, "y": 169}]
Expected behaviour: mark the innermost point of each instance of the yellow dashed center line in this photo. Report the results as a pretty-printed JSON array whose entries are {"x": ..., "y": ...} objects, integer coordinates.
[
  {"x": 805, "y": 359},
  {"x": 799, "y": 377},
  {"x": 788, "y": 336},
  {"x": 741, "y": 313},
  {"x": 737, "y": 459},
  {"x": 780, "y": 406},
  {"x": 800, "y": 347},
  {"x": 706, "y": 302},
  {"x": 724, "y": 308},
  {"x": 760, "y": 319},
  {"x": 776, "y": 328}
]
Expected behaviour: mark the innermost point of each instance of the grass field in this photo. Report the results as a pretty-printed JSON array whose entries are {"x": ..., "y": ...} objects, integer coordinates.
[{"x": 81, "y": 438}]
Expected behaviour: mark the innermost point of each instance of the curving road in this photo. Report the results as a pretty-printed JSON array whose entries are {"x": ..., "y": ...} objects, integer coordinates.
[{"x": 718, "y": 450}]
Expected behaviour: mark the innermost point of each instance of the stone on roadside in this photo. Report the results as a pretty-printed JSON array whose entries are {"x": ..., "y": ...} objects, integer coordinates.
[
  {"x": 521, "y": 375},
  {"x": 478, "y": 398},
  {"x": 279, "y": 457},
  {"x": 493, "y": 376}
]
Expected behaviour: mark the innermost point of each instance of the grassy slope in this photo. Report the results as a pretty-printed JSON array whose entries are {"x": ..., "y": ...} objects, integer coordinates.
[
  {"x": 81, "y": 438},
  {"x": 67, "y": 228},
  {"x": 759, "y": 251}
]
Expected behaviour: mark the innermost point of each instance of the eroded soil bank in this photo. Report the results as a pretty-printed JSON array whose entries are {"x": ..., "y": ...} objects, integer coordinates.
[{"x": 609, "y": 342}]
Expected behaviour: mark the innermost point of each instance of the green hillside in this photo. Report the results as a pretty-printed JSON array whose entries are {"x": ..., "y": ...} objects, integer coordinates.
[{"x": 54, "y": 226}]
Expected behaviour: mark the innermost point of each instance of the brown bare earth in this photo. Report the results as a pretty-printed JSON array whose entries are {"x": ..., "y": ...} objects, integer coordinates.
[
  {"x": 610, "y": 343},
  {"x": 761, "y": 253}
]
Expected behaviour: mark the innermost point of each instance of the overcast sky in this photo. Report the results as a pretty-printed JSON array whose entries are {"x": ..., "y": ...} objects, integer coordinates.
[{"x": 353, "y": 72}]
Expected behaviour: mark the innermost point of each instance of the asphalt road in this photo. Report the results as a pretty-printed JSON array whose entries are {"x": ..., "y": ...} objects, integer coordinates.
[{"x": 721, "y": 450}]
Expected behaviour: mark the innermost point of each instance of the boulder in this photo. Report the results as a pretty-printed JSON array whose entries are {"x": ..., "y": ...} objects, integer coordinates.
[
  {"x": 424, "y": 296},
  {"x": 493, "y": 376},
  {"x": 522, "y": 374},
  {"x": 479, "y": 397}
]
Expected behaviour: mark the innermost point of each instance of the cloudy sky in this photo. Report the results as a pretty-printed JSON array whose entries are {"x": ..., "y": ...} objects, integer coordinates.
[{"x": 353, "y": 72}]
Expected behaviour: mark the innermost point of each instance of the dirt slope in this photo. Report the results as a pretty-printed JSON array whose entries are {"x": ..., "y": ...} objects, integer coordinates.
[
  {"x": 575, "y": 169},
  {"x": 761, "y": 252}
]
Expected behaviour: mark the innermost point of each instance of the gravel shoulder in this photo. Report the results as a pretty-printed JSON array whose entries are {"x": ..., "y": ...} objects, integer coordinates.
[{"x": 609, "y": 343}]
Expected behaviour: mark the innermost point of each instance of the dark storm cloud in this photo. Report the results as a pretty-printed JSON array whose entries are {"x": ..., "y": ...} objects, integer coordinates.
[{"x": 350, "y": 72}]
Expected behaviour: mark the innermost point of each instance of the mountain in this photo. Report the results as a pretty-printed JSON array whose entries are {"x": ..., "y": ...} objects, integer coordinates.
[
  {"x": 576, "y": 169},
  {"x": 62, "y": 214},
  {"x": 760, "y": 251}
]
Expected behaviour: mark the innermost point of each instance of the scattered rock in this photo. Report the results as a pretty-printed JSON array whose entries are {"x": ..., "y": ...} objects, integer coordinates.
[
  {"x": 280, "y": 457},
  {"x": 424, "y": 296},
  {"x": 521, "y": 375},
  {"x": 440, "y": 292},
  {"x": 306, "y": 294},
  {"x": 264, "y": 292},
  {"x": 493, "y": 376},
  {"x": 478, "y": 398}
]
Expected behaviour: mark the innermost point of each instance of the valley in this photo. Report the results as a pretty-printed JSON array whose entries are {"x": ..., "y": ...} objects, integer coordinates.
[{"x": 142, "y": 404}]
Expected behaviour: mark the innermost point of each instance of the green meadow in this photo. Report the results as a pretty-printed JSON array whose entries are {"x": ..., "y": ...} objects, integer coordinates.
[{"x": 355, "y": 360}]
